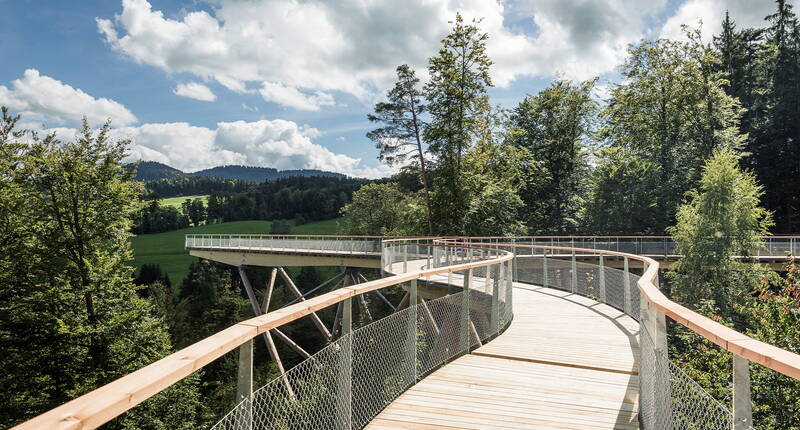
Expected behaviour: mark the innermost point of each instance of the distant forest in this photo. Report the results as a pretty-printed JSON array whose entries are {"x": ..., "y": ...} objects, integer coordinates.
[
  {"x": 152, "y": 170},
  {"x": 303, "y": 199}
]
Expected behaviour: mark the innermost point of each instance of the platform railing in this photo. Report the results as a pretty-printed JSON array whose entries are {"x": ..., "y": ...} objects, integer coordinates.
[
  {"x": 669, "y": 398},
  {"x": 350, "y": 380},
  {"x": 286, "y": 243},
  {"x": 650, "y": 246}
]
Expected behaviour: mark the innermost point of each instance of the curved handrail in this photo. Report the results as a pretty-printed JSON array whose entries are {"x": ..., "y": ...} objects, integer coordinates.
[
  {"x": 777, "y": 359},
  {"x": 107, "y": 402}
]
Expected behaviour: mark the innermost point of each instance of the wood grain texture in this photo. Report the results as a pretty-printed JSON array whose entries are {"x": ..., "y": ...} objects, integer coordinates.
[{"x": 541, "y": 373}]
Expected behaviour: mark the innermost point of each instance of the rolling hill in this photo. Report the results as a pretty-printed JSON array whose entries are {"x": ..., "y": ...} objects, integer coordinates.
[{"x": 153, "y": 170}]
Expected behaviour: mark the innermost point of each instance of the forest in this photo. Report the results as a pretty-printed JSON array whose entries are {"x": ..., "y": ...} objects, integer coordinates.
[{"x": 697, "y": 140}]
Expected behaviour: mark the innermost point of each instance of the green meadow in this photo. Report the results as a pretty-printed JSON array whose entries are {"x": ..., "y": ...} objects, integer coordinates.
[
  {"x": 166, "y": 249},
  {"x": 176, "y": 202}
]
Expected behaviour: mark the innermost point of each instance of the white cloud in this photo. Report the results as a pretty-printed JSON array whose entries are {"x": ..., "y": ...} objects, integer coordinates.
[
  {"x": 292, "y": 97},
  {"x": 746, "y": 13},
  {"x": 42, "y": 98},
  {"x": 297, "y": 53},
  {"x": 277, "y": 143},
  {"x": 194, "y": 90}
]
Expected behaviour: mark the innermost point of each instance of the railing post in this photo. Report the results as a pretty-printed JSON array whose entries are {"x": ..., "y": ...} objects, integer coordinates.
[
  {"x": 405, "y": 258},
  {"x": 495, "y": 320},
  {"x": 626, "y": 275},
  {"x": 602, "y": 291},
  {"x": 464, "y": 329},
  {"x": 412, "y": 329},
  {"x": 742, "y": 404},
  {"x": 514, "y": 275},
  {"x": 545, "y": 281},
  {"x": 346, "y": 365},
  {"x": 244, "y": 382},
  {"x": 574, "y": 273}
]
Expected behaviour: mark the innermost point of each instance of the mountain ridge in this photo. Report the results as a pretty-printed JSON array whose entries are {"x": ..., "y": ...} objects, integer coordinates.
[{"x": 153, "y": 170}]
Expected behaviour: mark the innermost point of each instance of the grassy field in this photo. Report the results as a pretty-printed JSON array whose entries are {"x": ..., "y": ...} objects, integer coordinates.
[
  {"x": 176, "y": 202},
  {"x": 166, "y": 249}
]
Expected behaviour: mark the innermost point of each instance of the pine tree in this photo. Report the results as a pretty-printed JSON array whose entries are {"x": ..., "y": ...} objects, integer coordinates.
[
  {"x": 400, "y": 138},
  {"x": 457, "y": 101}
]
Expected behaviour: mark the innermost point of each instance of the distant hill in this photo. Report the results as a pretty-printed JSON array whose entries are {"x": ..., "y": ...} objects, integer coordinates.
[
  {"x": 153, "y": 170},
  {"x": 260, "y": 174}
]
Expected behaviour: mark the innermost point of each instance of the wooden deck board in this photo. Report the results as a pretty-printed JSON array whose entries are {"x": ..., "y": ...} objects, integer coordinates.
[{"x": 566, "y": 362}]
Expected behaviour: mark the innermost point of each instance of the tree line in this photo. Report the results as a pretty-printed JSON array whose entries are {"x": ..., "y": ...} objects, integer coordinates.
[
  {"x": 299, "y": 198},
  {"x": 565, "y": 160}
]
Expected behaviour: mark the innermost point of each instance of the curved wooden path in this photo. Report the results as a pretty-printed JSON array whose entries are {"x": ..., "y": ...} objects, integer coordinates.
[{"x": 565, "y": 362}]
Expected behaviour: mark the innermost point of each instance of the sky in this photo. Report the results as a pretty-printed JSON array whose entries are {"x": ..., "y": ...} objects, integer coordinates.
[{"x": 289, "y": 83}]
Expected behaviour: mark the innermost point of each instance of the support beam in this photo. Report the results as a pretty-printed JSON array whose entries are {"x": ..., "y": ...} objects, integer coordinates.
[
  {"x": 429, "y": 316},
  {"x": 385, "y": 300},
  {"x": 292, "y": 344},
  {"x": 314, "y": 317},
  {"x": 268, "y": 291},
  {"x": 311, "y": 291},
  {"x": 403, "y": 303},
  {"x": 273, "y": 352}
]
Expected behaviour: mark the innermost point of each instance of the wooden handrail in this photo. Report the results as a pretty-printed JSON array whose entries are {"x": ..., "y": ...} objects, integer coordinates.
[
  {"x": 107, "y": 402},
  {"x": 777, "y": 359}
]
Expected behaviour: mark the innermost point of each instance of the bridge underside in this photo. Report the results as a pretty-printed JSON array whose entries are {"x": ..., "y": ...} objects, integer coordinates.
[
  {"x": 565, "y": 361},
  {"x": 275, "y": 258}
]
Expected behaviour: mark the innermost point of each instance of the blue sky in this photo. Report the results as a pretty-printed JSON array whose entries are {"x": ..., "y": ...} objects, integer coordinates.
[{"x": 288, "y": 83}]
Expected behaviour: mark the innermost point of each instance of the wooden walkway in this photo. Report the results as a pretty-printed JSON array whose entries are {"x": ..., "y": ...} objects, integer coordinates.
[{"x": 566, "y": 362}]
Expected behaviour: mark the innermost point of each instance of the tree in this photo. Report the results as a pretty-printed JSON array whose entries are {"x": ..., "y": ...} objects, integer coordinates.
[
  {"x": 718, "y": 227},
  {"x": 382, "y": 209},
  {"x": 400, "y": 138},
  {"x": 621, "y": 195},
  {"x": 672, "y": 110},
  {"x": 555, "y": 126},
  {"x": 457, "y": 101},
  {"x": 70, "y": 316},
  {"x": 775, "y": 151}
]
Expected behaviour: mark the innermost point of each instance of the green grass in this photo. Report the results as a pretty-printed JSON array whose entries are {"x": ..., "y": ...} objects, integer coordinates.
[
  {"x": 166, "y": 249},
  {"x": 176, "y": 202}
]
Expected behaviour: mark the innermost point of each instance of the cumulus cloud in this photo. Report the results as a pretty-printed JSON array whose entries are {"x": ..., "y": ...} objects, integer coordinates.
[
  {"x": 275, "y": 143},
  {"x": 194, "y": 90},
  {"x": 41, "y": 98},
  {"x": 746, "y": 13},
  {"x": 292, "y": 97},
  {"x": 297, "y": 53}
]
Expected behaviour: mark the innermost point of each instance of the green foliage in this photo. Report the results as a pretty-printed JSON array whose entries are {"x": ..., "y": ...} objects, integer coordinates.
[
  {"x": 621, "y": 195},
  {"x": 280, "y": 227},
  {"x": 673, "y": 112},
  {"x": 70, "y": 316},
  {"x": 769, "y": 312},
  {"x": 382, "y": 209},
  {"x": 400, "y": 138},
  {"x": 457, "y": 103},
  {"x": 720, "y": 220},
  {"x": 555, "y": 126}
]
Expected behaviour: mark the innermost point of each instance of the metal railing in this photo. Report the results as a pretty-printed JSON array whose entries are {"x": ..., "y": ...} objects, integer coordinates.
[
  {"x": 669, "y": 398},
  {"x": 286, "y": 243},
  {"x": 650, "y": 246},
  {"x": 359, "y": 373},
  {"x": 345, "y": 384}
]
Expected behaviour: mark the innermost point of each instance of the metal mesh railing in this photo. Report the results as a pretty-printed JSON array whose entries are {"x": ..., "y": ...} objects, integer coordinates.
[
  {"x": 333, "y": 244},
  {"x": 347, "y": 383},
  {"x": 669, "y": 398}
]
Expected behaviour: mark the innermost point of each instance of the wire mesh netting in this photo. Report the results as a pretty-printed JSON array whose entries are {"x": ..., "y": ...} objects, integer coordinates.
[{"x": 347, "y": 383}]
